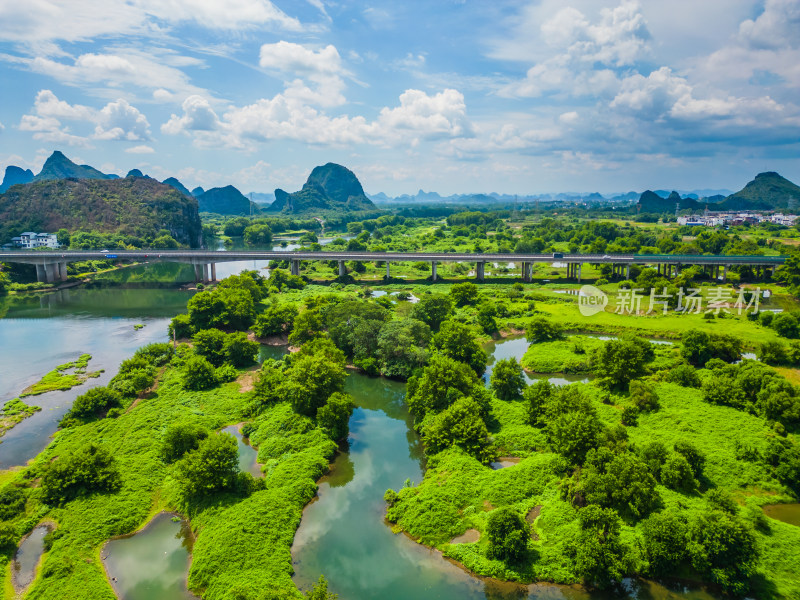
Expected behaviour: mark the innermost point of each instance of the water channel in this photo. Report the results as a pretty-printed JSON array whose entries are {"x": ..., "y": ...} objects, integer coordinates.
[{"x": 342, "y": 534}]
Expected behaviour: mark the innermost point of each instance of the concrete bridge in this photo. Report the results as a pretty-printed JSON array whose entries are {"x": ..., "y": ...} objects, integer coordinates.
[{"x": 52, "y": 265}]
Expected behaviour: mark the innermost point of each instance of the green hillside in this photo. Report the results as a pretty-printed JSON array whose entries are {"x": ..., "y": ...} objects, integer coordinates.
[
  {"x": 133, "y": 206},
  {"x": 768, "y": 191},
  {"x": 58, "y": 166}
]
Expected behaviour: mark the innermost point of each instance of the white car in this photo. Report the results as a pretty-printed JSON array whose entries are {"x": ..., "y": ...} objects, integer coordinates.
[{"x": 104, "y": 251}]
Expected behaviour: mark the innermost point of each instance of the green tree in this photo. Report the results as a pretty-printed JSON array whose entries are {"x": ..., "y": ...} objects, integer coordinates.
[
  {"x": 464, "y": 294},
  {"x": 307, "y": 325},
  {"x": 88, "y": 469},
  {"x": 432, "y": 309},
  {"x": 212, "y": 467},
  {"x": 643, "y": 395},
  {"x": 723, "y": 548},
  {"x": 12, "y": 502},
  {"x": 619, "y": 480},
  {"x": 442, "y": 383},
  {"x": 598, "y": 550},
  {"x": 180, "y": 438},
  {"x": 320, "y": 589},
  {"x": 238, "y": 310},
  {"x": 311, "y": 380},
  {"x": 571, "y": 423},
  {"x": 210, "y": 344},
  {"x": 93, "y": 403},
  {"x": 62, "y": 237},
  {"x": 204, "y": 310},
  {"x": 460, "y": 425},
  {"x": 619, "y": 361},
  {"x": 665, "y": 542},
  {"x": 486, "y": 318},
  {"x": 198, "y": 374},
  {"x": 507, "y": 381},
  {"x": 334, "y": 415},
  {"x": 698, "y": 347},
  {"x": 508, "y": 535},
  {"x": 677, "y": 474},
  {"x": 542, "y": 330},
  {"x": 181, "y": 327},
  {"x": 276, "y": 320},
  {"x": 258, "y": 234},
  {"x": 694, "y": 456},
  {"x": 402, "y": 347},
  {"x": 536, "y": 396},
  {"x": 239, "y": 350},
  {"x": 456, "y": 341}
]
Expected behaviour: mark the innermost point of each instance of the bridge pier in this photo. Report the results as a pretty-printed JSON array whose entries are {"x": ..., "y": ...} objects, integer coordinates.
[
  {"x": 526, "y": 271},
  {"x": 213, "y": 271},
  {"x": 579, "y": 272},
  {"x": 388, "y": 271},
  {"x": 724, "y": 273},
  {"x": 295, "y": 267},
  {"x": 433, "y": 271},
  {"x": 206, "y": 269},
  {"x": 342, "y": 269},
  {"x": 479, "y": 270},
  {"x": 62, "y": 271},
  {"x": 627, "y": 271},
  {"x": 198, "y": 272}
]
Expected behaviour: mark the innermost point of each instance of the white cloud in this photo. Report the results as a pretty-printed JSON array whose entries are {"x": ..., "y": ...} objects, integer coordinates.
[
  {"x": 123, "y": 67},
  {"x": 197, "y": 116},
  {"x": 117, "y": 120},
  {"x": 121, "y": 121},
  {"x": 41, "y": 20},
  {"x": 313, "y": 77},
  {"x": 140, "y": 150},
  {"x": 284, "y": 117},
  {"x": 775, "y": 28},
  {"x": 575, "y": 56}
]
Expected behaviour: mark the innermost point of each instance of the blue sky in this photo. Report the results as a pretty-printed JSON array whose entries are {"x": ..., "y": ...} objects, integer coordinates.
[{"x": 453, "y": 96}]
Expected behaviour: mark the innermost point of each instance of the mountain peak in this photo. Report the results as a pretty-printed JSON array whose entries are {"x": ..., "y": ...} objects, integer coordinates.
[
  {"x": 329, "y": 187},
  {"x": 58, "y": 166},
  {"x": 15, "y": 175},
  {"x": 225, "y": 201},
  {"x": 768, "y": 191}
]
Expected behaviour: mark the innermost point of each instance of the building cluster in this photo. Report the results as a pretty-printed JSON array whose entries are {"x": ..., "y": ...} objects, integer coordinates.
[
  {"x": 716, "y": 219},
  {"x": 31, "y": 239}
]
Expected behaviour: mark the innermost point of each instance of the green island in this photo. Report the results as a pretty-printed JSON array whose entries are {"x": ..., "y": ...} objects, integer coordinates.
[
  {"x": 655, "y": 464},
  {"x": 63, "y": 377}
]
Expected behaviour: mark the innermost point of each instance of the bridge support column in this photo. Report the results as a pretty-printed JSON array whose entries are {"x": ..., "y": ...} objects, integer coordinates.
[
  {"x": 725, "y": 273},
  {"x": 43, "y": 275},
  {"x": 433, "y": 271},
  {"x": 479, "y": 270},
  {"x": 627, "y": 271},
  {"x": 213, "y": 271},
  {"x": 206, "y": 277},
  {"x": 295, "y": 267},
  {"x": 198, "y": 273},
  {"x": 342, "y": 269},
  {"x": 579, "y": 271},
  {"x": 526, "y": 272},
  {"x": 388, "y": 271},
  {"x": 62, "y": 271}
]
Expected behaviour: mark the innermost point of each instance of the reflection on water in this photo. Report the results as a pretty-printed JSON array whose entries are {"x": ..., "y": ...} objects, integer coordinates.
[
  {"x": 515, "y": 347},
  {"x": 27, "y": 557},
  {"x": 343, "y": 534},
  {"x": 248, "y": 455},
  {"x": 153, "y": 563}
]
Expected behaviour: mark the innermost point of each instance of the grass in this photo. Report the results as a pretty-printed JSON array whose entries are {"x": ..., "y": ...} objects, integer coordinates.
[
  {"x": 63, "y": 377},
  {"x": 14, "y": 411},
  {"x": 243, "y": 544},
  {"x": 561, "y": 356}
]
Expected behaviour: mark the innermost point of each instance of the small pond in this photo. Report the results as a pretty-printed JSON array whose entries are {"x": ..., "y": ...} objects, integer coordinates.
[
  {"x": 788, "y": 513},
  {"x": 27, "y": 557},
  {"x": 152, "y": 563},
  {"x": 248, "y": 455}
]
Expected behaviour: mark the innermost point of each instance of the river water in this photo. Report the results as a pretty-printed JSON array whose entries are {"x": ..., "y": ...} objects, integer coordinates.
[{"x": 342, "y": 534}]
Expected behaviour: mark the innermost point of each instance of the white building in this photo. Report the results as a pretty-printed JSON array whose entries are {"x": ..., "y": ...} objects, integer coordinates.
[{"x": 31, "y": 239}]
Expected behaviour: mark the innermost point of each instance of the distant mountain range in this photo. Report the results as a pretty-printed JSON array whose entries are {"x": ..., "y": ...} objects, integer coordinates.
[
  {"x": 328, "y": 188},
  {"x": 768, "y": 191}
]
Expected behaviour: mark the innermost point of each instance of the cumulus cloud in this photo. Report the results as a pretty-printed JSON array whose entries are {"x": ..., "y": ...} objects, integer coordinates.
[
  {"x": 283, "y": 117},
  {"x": 579, "y": 57},
  {"x": 117, "y": 120},
  {"x": 775, "y": 28},
  {"x": 311, "y": 76}
]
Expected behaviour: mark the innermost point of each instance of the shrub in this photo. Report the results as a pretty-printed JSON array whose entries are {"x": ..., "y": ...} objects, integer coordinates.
[
  {"x": 226, "y": 373},
  {"x": 93, "y": 403},
  {"x": 630, "y": 416},
  {"x": 210, "y": 344},
  {"x": 180, "y": 438},
  {"x": 684, "y": 375},
  {"x": 542, "y": 330},
  {"x": 198, "y": 374},
  {"x": 643, "y": 395},
  {"x": 181, "y": 327},
  {"x": 211, "y": 468},
  {"x": 508, "y": 535},
  {"x": 678, "y": 475},
  {"x": 334, "y": 416},
  {"x": 240, "y": 351},
  {"x": 695, "y": 458},
  {"x": 89, "y": 469},
  {"x": 459, "y": 425},
  {"x": 12, "y": 502},
  {"x": 665, "y": 542},
  {"x": 507, "y": 380},
  {"x": 598, "y": 550}
]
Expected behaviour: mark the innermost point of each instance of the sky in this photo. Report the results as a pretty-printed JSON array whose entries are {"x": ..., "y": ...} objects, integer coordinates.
[{"x": 454, "y": 96}]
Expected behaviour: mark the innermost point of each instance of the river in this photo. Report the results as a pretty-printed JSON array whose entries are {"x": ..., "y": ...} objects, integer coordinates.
[{"x": 342, "y": 534}]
